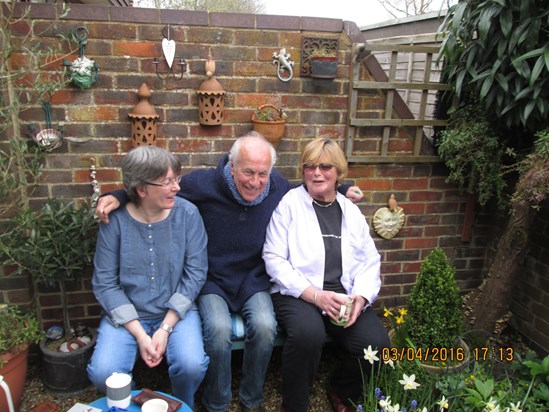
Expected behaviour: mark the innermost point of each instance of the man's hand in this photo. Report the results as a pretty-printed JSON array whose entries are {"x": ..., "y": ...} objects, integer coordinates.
[
  {"x": 354, "y": 194},
  {"x": 105, "y": 205}
]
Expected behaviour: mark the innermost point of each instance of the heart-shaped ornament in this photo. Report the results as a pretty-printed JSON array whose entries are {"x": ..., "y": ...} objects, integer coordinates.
[{"x": 168, "y": 47}]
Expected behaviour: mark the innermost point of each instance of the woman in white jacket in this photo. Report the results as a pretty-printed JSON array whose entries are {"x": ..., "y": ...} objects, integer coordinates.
[{"x": 325, "y": 271}]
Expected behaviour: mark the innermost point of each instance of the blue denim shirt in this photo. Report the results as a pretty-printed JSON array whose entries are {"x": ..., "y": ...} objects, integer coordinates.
[{"x": 142, "y": 270}]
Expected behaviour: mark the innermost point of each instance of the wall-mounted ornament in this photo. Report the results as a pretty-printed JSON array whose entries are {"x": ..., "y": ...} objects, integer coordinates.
[
  {"x": 144, "y": 119},
  {"x": 168, "y": 50},
  {"x": 283, "y": 64},
  {"x": 84, "y": 72},
  {"x": 389, "y": 220},
  {"x": 49, "y": 138},
  {"x": 210, "y": 97},
  {"x": 322, "y": 49}
]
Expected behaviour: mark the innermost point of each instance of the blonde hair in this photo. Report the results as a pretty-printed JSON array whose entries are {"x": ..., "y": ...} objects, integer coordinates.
[{"x": 325, "y": 150}]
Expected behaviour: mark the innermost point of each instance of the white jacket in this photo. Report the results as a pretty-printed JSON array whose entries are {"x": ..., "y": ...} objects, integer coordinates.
[{"x": 294, "y": 249}]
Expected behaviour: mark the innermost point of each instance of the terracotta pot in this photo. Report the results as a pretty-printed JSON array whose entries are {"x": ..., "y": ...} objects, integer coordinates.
[
  {"x": 14, "y": 373},
  {"x": 272, "y": 131},
  {"x": 450, "y": 354}
]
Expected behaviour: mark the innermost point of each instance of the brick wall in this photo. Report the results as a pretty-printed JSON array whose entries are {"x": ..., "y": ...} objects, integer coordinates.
[{"x": 124, "y": 41}]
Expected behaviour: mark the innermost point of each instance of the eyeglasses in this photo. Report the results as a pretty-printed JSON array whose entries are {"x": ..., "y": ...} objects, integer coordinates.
[
  {"x": 324, "y": 167},
  {"x": 166, "y": 184}
]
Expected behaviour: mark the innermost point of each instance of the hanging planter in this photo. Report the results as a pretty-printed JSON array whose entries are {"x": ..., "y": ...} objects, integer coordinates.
[
  {"x": 323, "y": 66},
  {"x": 270, "y": 121}
]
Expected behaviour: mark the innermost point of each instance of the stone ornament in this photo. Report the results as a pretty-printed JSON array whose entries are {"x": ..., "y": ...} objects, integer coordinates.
[{"x": 389, "y": 220}]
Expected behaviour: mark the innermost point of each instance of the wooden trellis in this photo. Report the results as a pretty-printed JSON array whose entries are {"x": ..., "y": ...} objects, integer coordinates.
[{"x": 395, "y": 113}]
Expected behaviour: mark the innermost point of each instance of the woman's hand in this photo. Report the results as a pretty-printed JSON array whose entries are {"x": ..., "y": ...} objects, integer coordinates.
[
  {"x": 331, "y": 302},
  {"x": 148, "y": 351},
  {"x": 354, "y": 194},
  {"x": 358, "y": 304}
]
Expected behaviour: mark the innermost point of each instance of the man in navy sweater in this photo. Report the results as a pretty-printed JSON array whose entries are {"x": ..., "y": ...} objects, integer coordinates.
[{"x": 236, "y": 201}]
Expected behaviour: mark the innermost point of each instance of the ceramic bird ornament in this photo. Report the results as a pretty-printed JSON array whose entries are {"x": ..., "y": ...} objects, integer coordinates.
[
  {"x": 210, "y": 65},
  {"x": 392, "y": 203}
]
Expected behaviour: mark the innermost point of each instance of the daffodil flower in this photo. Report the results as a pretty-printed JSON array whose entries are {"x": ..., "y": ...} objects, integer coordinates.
[
  {"x": 443, "y": 403},
  {"x": 370, "y": 355},
  {"x": 402, "y": 312},
  {"x": 491, "y": 405},
  {"x": 409, "y": 382},
  {"x": 387, "y": 313},
  {"x": 384, "y": 403},
  {"x": 390, "y": 363},
  {"x": 515, "y": 408}
]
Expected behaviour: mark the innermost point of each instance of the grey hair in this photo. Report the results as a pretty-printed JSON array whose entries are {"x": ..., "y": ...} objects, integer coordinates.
[
  {"x": 146, "y": 164},
  {"x": 234, "y": 154}
]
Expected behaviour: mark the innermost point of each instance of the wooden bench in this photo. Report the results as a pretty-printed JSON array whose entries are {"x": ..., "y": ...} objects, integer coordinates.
[{"x": 239, "y": 333}]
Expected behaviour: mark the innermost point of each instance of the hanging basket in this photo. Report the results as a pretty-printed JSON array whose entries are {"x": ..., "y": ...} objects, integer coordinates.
[
  {"x": 272, "y": 130},
  {"x": 323, "y": 67}
]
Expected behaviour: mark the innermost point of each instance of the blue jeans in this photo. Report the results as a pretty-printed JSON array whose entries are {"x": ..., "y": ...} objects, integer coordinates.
[
  {"x": 116, "y": 350},
  {"x": 260, "y": 324}
]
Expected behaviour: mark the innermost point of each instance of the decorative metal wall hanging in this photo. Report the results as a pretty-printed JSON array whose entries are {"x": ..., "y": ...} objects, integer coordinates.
[
  {"x": 210, "y": 97},
  {"x": 49, "y": 139},
  {"x": 84, "y": 72},
  {"x": 311, "y": 46},
  {"x": 168, "y": 49},
  {"x": 144, "y": 119},
  {"x": 389, "y": 220},
  {"x": 282, "y": 62}
]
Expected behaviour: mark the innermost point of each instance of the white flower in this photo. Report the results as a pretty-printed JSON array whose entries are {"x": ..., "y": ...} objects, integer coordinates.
[
  {"x": 384, "y": 403},
  {"x": 370, "y": 355},
  {"x": 424, "y": 409},
  {"x": 491, "y": 406},
  {"x": 515, "y": 408},
  {"x": 409, "y": 382},
  {"x": 394, "y": 408},
  {"x": 443, "y": 403},
  {"x": 390, "y": 363}
]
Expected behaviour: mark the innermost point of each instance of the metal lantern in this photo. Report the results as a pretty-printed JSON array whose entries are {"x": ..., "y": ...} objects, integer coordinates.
[
  {"x": 144, "y": 119},
  {"x": 210, "y": 97}
]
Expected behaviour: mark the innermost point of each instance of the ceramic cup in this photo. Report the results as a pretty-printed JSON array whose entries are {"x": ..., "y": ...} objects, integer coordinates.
[
  {"x": 119, "y": 390},
  {"x": 344, "y": 311},
  {"x": 155, "y": 405}
]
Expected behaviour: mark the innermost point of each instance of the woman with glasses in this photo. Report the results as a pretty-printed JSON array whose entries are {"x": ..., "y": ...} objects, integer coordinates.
[
  {"x": 150, "y": 264},
  {"x": 325, "y": 271}
]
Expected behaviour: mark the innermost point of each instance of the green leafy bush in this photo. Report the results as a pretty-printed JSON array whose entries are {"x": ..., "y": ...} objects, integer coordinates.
[
  {"x": 434, "y": 304},
  {"x": 16, "y": 329}
]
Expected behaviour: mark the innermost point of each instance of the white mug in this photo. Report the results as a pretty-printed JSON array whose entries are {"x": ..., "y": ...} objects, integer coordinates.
[
  {"x": 155, "y": 405},
  {"x": 119, "y": 390}
]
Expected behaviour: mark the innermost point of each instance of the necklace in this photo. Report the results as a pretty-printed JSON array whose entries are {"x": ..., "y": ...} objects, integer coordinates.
[{"x": 321, "y": 205}]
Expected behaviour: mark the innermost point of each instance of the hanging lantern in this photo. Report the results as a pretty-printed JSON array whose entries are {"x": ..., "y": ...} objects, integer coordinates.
[
  {"x": 210, "y": 97},
  {"x": 144, "y": 119}
]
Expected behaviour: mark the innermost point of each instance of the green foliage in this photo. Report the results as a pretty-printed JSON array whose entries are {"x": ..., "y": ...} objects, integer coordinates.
[
  {"x": 434, "y": 304},
  {"x": 533, "y": 188},
  {"x": 55, "y": 244},
  {"x": 474, "y": 154},
  {"x": 17, "y": 328},
  {"x": 498, "y": 50}
]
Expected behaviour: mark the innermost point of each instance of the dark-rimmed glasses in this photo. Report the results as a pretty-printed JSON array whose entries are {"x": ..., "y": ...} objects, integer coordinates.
[
  {"x": 324, "y": 167},
  {"x": 166, "y": 184}
]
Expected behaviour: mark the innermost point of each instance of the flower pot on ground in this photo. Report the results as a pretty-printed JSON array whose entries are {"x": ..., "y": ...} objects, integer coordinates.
[
  {"x": 270, "y": 121},
  {"x": 17, "y": 332},
  {"x": 54, "y": 245},
  {"x": 431, "y": 324}
]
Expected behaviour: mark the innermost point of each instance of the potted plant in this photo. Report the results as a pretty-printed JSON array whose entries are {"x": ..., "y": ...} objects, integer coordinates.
[
  {"x": 432, "y": 323},
  {"x": 18, "y": 330},
  {"x": 270, "y": 121},
  {"x": 56, "y": 245},
  {"x": 323, "y": 63}
]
